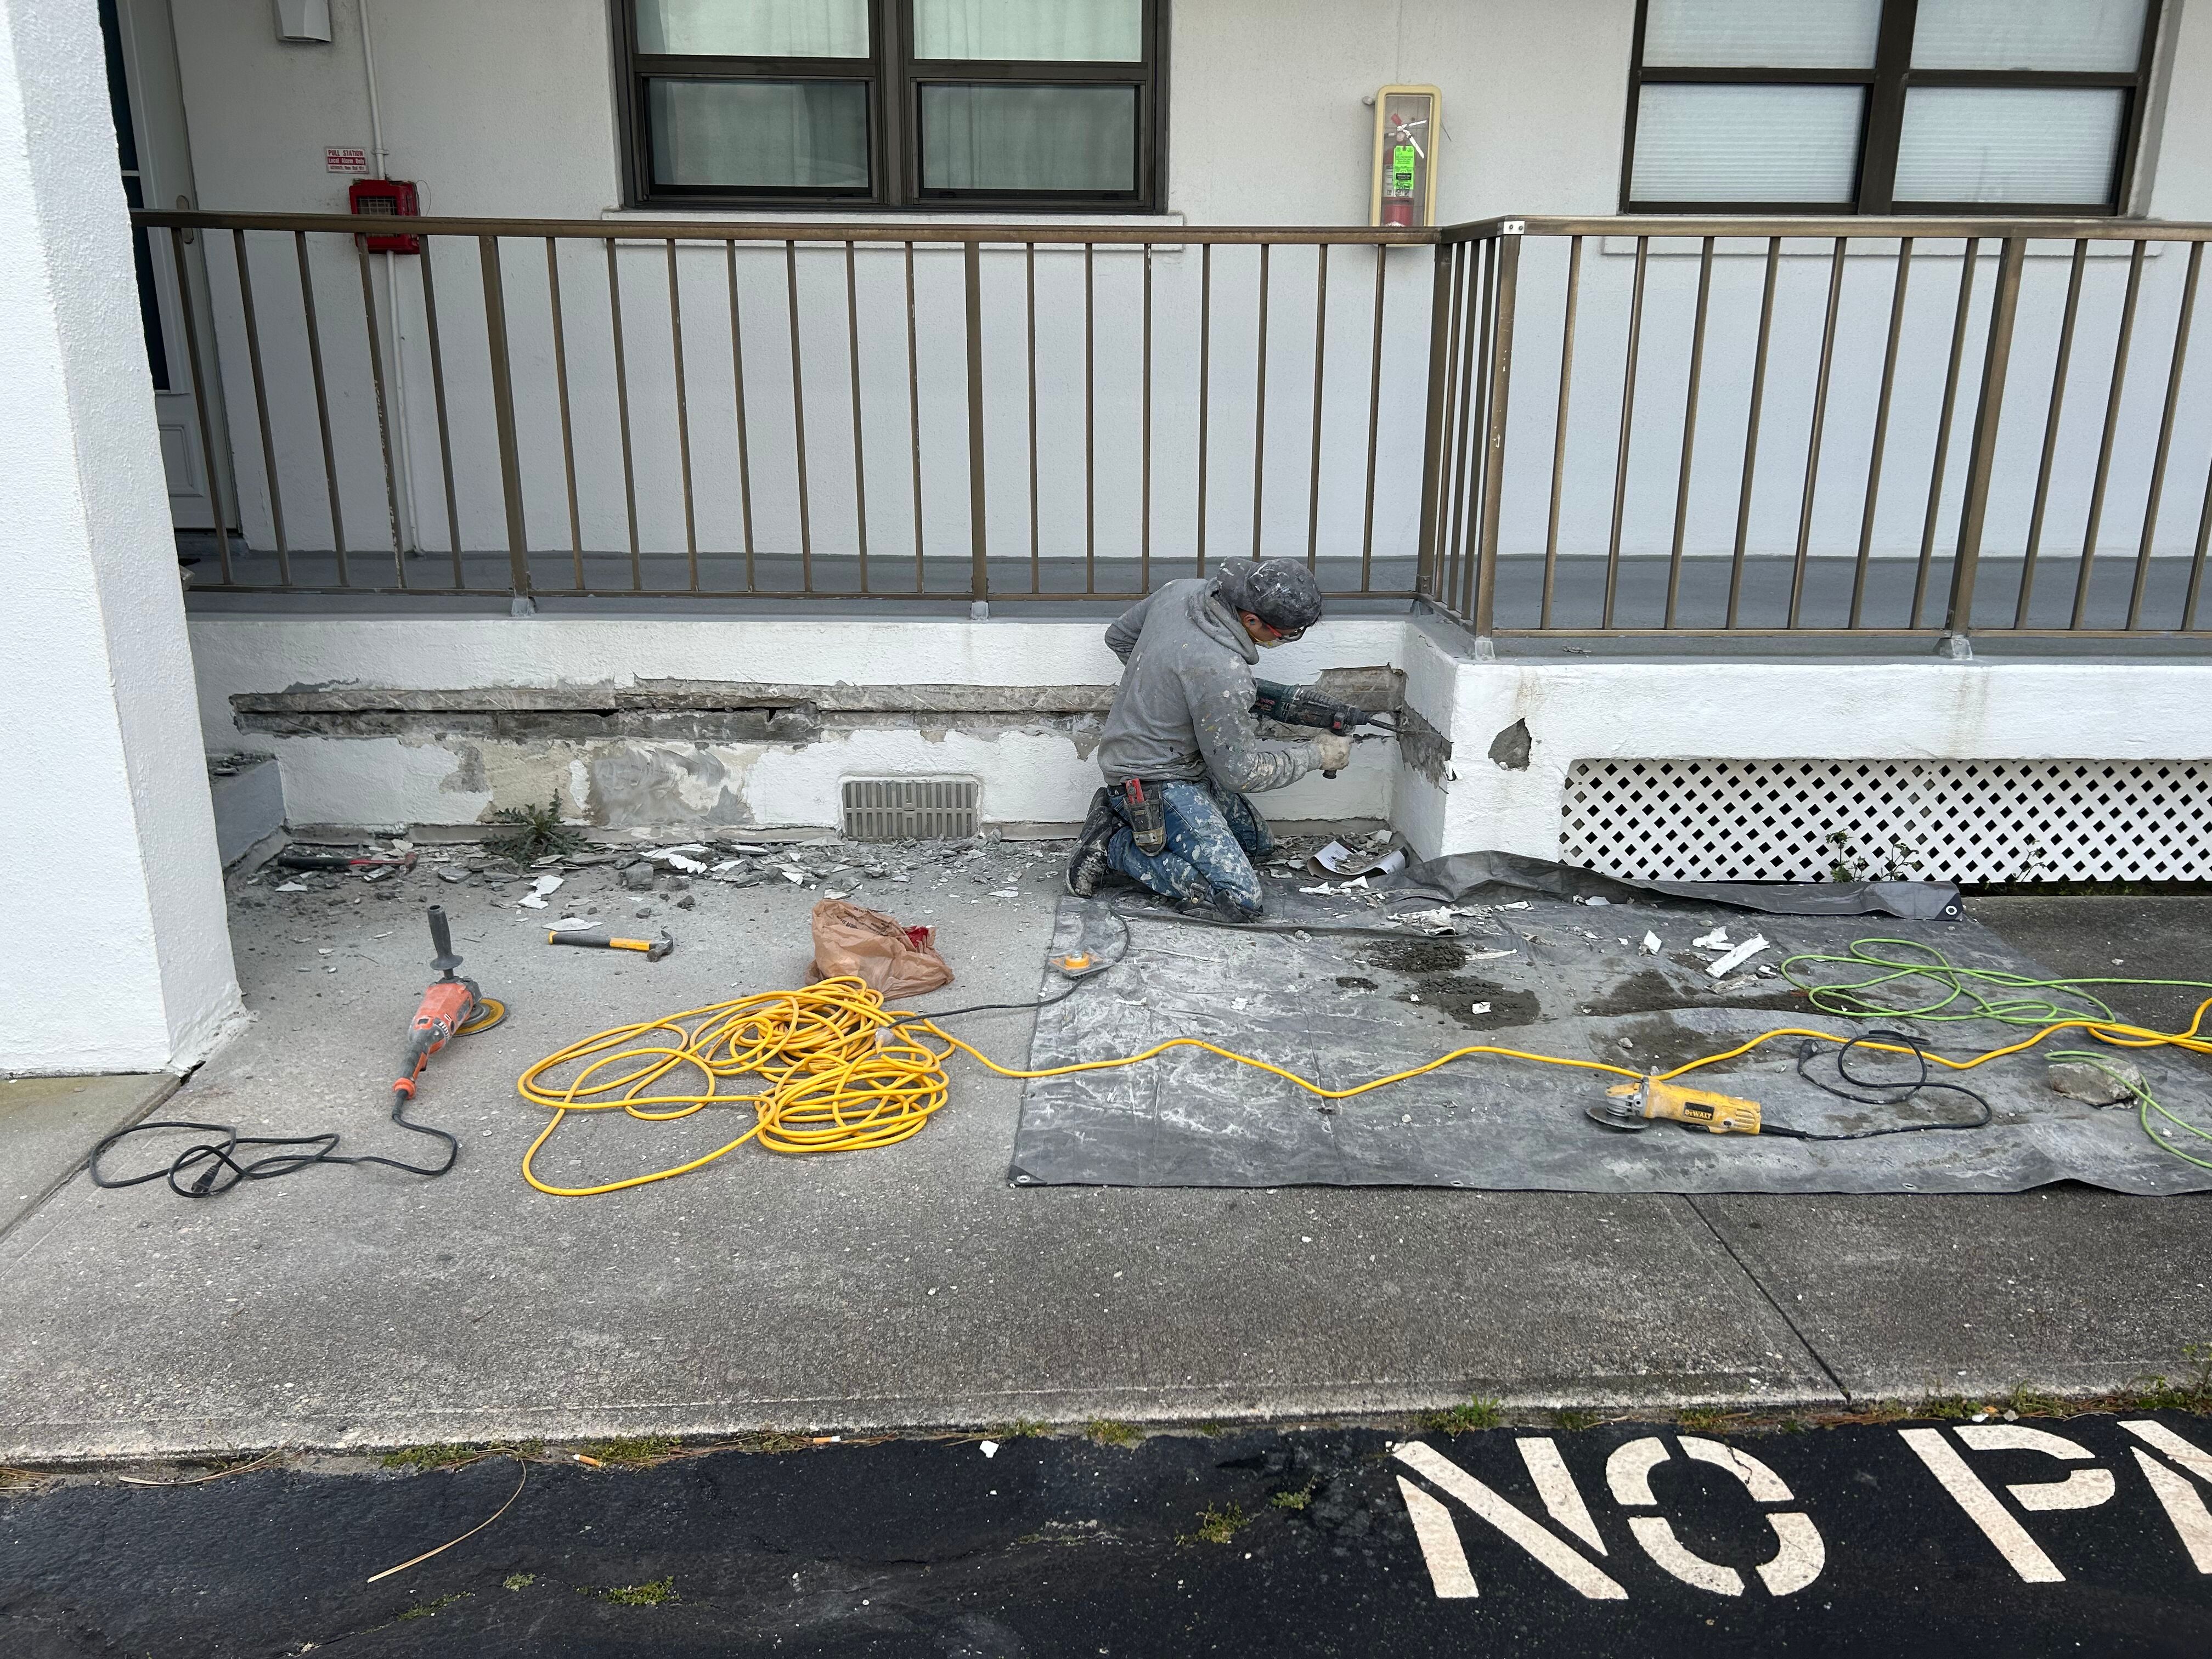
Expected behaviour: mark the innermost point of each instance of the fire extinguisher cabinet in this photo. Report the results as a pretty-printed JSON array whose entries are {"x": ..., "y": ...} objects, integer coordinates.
[{"x": 1402, "y": 184}]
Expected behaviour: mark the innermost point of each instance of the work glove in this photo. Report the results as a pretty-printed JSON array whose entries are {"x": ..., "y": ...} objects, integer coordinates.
[{"x": 1332, "y": 753}]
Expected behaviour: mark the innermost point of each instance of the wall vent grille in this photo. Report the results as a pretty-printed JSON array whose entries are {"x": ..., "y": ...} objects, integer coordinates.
[
  {"x": 909, "y": 809},
  {"x": 1964, "y": 821}
]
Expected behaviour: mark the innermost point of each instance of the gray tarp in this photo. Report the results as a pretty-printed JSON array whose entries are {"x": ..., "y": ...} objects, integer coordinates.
[{"x": 1557, "y": 977}]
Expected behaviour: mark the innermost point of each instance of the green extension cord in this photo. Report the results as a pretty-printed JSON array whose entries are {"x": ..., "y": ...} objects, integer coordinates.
[
  {"x": 1963, "y": 993},
  {"x": 1955, "y": 985}
]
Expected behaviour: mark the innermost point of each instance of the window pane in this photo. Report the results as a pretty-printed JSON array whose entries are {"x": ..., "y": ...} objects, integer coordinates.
[
  {"x": 754, "y": 28},
  {"x": 1762, "y": 33},
  {"x": 2009, "y": 144},
  {"x": 1746, "y": 143},
  {"x": 761, "y": 135},
  {"x": 1038, "y": 31},
  {"x": 2029, "y": 34},
  {"x": 1028, "y": 139}
]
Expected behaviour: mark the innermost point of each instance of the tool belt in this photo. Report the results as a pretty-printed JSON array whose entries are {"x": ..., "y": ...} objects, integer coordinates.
[{"x": 1144, "y": 809}]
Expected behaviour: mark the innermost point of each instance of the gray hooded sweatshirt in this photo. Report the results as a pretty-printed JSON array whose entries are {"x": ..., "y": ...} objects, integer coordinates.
[{"x": 1183, "y": 710}]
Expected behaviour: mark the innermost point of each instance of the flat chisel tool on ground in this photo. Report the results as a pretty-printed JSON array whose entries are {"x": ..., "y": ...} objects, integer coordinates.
[
  {"x": 345, "y": 860},
  {"x": 655, "y": 949}
]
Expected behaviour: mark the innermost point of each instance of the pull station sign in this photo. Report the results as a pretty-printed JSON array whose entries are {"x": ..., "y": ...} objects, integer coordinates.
[{"x": 1402, "y": 191}]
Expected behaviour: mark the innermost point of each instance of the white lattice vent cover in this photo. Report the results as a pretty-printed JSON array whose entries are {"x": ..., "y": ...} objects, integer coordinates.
[{"x": 1964, "y": 821}]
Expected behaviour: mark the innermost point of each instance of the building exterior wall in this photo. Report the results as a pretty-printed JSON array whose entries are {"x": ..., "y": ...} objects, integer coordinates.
[{"x": 117, "y": 957}]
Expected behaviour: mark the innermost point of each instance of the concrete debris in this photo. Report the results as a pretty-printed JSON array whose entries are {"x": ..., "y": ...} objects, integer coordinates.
[
  {"x": 1652, "y": 945},
  {"x": 2077, "y": 1079},
  {"x": 293, "y": 887},
  {"x": 638, "y": 876},
  {"x": 1735, "y": 959},
  {"x": 1716, "y": 940},
  {"x": 535, "y": 898}
]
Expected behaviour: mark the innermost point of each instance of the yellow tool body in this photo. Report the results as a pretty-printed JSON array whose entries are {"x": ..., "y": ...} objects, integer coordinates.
[{"x": 1701, "y": 1109}]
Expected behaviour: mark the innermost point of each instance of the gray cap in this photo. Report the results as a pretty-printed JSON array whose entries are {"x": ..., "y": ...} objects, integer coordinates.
[{"x": 1280, "y": 593}]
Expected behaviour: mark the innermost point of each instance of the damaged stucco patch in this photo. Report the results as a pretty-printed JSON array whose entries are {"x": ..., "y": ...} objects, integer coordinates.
[
  {"x": 1510, "y": 748},
  {"x": 1426, "y": 749}
]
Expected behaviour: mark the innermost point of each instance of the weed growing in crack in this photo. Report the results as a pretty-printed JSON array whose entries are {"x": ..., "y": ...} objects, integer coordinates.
[
  {"x": 1110, "y": 1432},
  {"x": 633, "y": 1451},
  {"x": 1477, "y": 1413},
  {"x": 537, "y": 833},
  {"x": 1218, "y": 1525},
  {"x": 653, "y": 1593}
]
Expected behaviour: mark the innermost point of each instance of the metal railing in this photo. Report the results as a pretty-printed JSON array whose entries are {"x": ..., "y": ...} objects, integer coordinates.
[
  {"x": 1748, "y": 426},
  {"x": 665, "y": 407},
  {"x": 1836, "y": 426}
]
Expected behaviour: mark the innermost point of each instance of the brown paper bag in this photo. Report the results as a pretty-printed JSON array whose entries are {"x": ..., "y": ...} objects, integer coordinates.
[{"x": 899, "y": 961}]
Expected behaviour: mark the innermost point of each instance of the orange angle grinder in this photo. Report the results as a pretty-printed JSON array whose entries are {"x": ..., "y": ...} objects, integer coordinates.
[{"x": 452, "y": 1007}]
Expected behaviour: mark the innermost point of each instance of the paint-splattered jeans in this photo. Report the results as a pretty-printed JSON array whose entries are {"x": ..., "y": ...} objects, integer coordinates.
[{"x": 1213, "y": 836}]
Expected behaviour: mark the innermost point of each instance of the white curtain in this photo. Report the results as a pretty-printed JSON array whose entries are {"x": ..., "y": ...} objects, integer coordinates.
[
  {"x": 2049, "y": 144},
  {"x": 761, "y": 134},
  {"x": 1013, "y": 137},
  {"x": 1746, "y": 143},
  {"x": 754, "y": 28},
  {"x": 1764, "y": 34},
  {"x": 2081, "y": 35},
  {"x": 1032, "y": 31}
]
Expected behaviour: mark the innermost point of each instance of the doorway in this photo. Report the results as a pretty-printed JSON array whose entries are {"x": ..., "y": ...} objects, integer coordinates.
[{"x": 155, "y": 154}]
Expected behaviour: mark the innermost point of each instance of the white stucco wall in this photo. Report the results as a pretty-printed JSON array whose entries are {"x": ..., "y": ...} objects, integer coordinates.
[
  {"x": 1030, "y": 773},
  {"x": 1773, "y": 709},
  {"x": 117, "y": 959}
]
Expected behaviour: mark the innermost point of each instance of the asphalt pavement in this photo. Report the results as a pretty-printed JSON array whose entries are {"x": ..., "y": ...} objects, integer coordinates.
[{"x": 1960, "y": 1537}]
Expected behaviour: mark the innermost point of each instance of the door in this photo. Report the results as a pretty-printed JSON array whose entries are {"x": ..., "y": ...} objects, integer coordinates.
[{"x": 156, "y": 156}]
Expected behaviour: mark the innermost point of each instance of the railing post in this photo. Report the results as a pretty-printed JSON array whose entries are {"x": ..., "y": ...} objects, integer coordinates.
[
  {"x": 1965, "y": 565},
  {"x": 979, "y": 576},
  {"x": 502, "y": 403},
  {"x": 1493, "y": 439},
  {"x": 1446, "y": 256}
]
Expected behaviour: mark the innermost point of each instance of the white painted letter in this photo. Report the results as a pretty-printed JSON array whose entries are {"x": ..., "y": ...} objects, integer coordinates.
[
  {"x": 1981, "y": 1507},
  {"x": 1440, "y": 1545},
  {"x": 2184, "y": 1505},
  {"x": 1799, "y": 1555},
  {"x": 1565, "y": 1562}
]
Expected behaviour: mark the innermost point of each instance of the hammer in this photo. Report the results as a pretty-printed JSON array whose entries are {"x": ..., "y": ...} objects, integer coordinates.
[{"x": 655, "y": 949}]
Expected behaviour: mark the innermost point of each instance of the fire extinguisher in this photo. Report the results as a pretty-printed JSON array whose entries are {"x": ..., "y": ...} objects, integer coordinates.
[{"x": 1402, "y": 156}]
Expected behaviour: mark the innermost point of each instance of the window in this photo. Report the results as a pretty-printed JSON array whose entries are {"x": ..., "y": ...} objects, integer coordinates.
[
  {"x": 1886, "y": 106},
  {"x": 894, "y": 103}
]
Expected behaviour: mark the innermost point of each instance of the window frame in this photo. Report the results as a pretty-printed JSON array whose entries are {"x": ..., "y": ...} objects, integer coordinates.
[
  {"x": 1883, "y": 121},
  {"x": 894, "y": 78}
]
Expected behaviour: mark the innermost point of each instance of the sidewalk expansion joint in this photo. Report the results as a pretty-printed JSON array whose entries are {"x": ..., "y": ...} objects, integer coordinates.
[{"x": 1745, "y": 1267}]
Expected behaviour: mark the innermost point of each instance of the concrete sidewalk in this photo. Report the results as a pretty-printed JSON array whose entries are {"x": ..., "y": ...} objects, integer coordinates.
[{"x": 915, "y": 1287}]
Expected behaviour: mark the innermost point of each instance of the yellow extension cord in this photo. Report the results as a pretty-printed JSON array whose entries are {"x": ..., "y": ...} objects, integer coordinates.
[{"x": 844, "y": 1073}]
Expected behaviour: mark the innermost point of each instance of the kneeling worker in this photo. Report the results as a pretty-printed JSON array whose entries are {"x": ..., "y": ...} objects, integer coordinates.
[{"x": 1182, "y": 748}]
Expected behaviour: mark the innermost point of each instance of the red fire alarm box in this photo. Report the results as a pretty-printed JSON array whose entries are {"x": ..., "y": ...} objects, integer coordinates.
[{"x": 390, "y": 198}]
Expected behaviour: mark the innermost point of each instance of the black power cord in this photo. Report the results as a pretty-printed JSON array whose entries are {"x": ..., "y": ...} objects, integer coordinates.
[
  {"x": 219, "y": 1168},
  {"x": 1899, "y": 1091}
]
